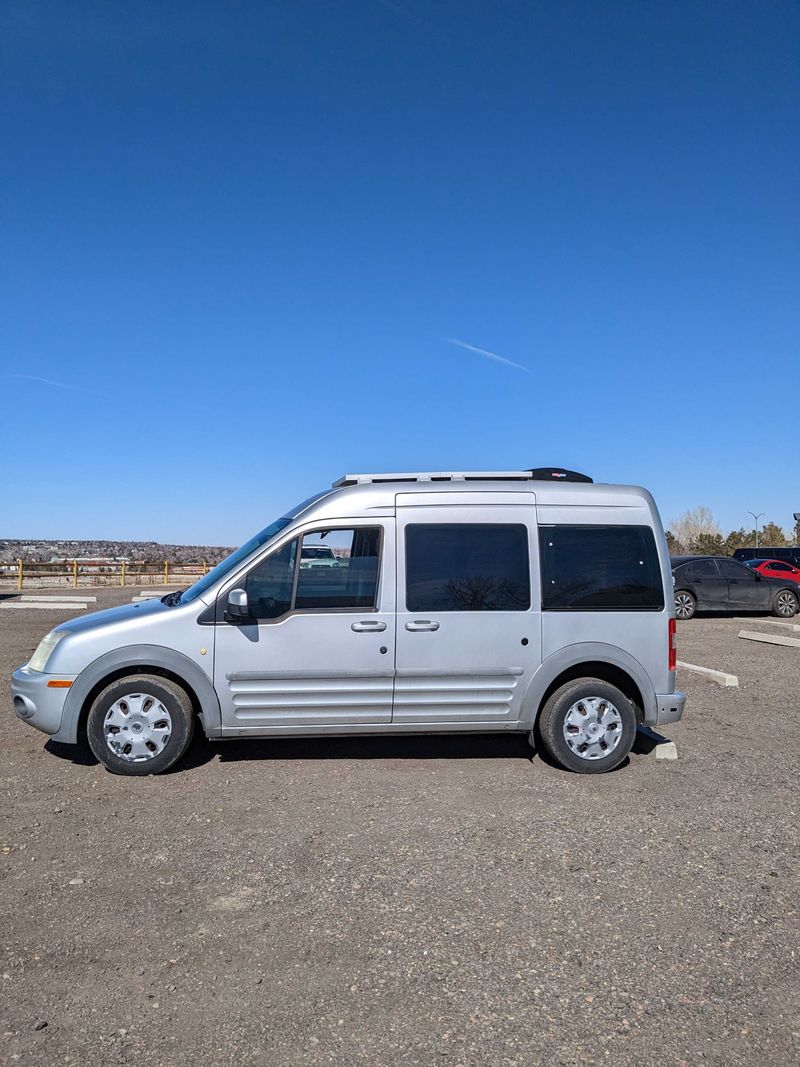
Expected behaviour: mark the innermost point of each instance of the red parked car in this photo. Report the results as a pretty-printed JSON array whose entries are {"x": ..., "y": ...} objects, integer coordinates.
[{"x": 775, "y": 568}]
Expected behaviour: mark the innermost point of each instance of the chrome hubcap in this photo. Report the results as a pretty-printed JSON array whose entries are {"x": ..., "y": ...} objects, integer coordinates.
[
  {"x": 592, "y": 728},
  {"x": 786, "y": 604},
  {"x": 683, "y": 606},
  {"x": 137, "y": 727}
]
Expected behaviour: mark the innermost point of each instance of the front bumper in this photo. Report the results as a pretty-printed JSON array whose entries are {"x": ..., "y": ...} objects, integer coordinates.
[
  {"x": 669, "y": 707},
  {"x": 37, "y": 704}
]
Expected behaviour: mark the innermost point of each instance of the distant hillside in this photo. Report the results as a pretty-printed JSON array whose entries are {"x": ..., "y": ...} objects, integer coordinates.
[{"x": 133, "y": 551}]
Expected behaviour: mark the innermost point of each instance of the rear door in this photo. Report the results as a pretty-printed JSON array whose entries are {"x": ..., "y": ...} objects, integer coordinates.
[{"x": 468, "y": 616}]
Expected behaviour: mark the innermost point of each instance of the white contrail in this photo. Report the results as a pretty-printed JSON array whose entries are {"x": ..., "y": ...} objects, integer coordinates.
[
  {"x": 49, "y": 381},
  {"x": 488, "y": 355}
]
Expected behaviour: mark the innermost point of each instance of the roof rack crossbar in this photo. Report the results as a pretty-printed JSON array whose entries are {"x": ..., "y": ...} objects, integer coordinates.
[{"x": 548, "y": 474}]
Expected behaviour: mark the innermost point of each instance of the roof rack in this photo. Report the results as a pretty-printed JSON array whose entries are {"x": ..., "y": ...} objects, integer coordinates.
[{"x": 538, "y": 474}]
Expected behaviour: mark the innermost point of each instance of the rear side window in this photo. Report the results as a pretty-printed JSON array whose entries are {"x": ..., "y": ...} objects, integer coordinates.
[
  {"x": 700, "y": 568},
  {"x": 600, "y": 568},
  {"x": 467, "y": 567}
]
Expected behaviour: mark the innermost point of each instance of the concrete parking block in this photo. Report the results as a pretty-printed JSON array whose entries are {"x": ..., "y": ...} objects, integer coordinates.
[
  {"x": 65, "y": 605},
  {"x": 666, "y": 750},
  {"x": 64, "y": 598},
  {"x": 722, "y": 678},
  {"x": 779, "y": 622},
  {"x": 770, "y": 639}
]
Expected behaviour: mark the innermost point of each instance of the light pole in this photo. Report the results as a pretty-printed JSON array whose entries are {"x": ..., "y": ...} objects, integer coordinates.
[
  {"x": 797, "y": 527},
  {"x": 756, "y": 516}
]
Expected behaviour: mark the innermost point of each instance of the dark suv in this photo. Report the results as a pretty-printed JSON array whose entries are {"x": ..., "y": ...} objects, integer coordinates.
[
  {"x": 790, "y": 554},
  {"x": 719, "y": 583}
]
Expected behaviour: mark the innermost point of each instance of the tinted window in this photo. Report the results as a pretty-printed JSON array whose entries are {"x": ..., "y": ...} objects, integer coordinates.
[
  {"x": 467, "y": 567},
  {"x": 731, "y": 569},
  {"x": 610, "y": 568},
  {"x": 700, "y": 568},
  {"x": 339, "y": 569},
  {"x": 269, "y": 585},
  {"x": 774, "y": 565}
]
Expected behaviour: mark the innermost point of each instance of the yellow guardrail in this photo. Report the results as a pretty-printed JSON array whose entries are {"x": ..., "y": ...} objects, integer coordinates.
[{"x": 124, "y": 571}]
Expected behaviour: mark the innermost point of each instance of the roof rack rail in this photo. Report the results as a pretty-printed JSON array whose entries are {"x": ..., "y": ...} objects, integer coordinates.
[{"x": 538, "y": 474}]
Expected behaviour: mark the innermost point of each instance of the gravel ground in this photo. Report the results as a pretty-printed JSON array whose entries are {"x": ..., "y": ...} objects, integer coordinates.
[{"x": 410, "y": 900}]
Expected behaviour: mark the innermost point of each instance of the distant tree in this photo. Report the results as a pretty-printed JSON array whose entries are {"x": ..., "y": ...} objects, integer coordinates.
[
  {"x": 694, "y": 523},
  {"x": 708, "y": 544},
  {"x": 739, "y": 539},
  {"x": 672, "y": 544},
  {"x": 772, "y": 534}
]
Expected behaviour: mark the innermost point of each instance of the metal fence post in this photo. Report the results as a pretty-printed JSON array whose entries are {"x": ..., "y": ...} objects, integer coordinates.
[
  {"x": 74, "y": 574},
  {"x": 19, "y": 575},
  {"x": 122, "y": 576},
  {"x": 166, "y": 572},
  {"x": 204, "y": 567}
]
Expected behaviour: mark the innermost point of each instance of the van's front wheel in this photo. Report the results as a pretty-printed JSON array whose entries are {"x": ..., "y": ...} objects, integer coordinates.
[
  {"x": 588, "y": 726},
  {"x": 140, "y": 725}
]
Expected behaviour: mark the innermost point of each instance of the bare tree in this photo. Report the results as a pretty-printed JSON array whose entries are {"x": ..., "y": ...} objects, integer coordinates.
[{"x": 694, "y": 523}]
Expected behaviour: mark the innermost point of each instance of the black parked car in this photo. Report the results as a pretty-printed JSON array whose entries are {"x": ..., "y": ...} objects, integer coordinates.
[{"x": 718, "y": 583}]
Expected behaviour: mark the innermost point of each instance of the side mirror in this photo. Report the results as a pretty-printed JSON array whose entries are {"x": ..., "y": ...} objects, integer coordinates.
[
  {"x": 236, "y": 608},
  {"x": 758, "y": 575}
]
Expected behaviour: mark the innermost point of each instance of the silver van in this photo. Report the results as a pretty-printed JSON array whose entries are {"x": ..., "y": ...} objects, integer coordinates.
[{"x": 525, "y": 601}]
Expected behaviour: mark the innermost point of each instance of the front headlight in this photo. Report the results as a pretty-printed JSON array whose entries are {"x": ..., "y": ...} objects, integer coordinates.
[{"x": 38, "y": 660}]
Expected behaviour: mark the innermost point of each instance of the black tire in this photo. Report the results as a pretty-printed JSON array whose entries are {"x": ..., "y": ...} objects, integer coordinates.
[
  {"x": 785, "y": 604},
  {"x": 554, "y": 714},
  {"x": 685, "y": 604},
  {"x": 175, "y": 729}
]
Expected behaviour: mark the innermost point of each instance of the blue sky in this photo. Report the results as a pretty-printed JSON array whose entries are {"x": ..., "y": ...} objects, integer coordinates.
[{"x": 243, "y": 237}]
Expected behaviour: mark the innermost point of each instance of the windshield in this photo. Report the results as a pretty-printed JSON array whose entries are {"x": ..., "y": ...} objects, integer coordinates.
[{"x": 231, "y": 561}]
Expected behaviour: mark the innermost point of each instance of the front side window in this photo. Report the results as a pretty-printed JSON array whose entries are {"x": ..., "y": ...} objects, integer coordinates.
[
  {"x": 333, "y": 569},
  {"x": 467, "y": 567},
  {"x": 339, "y": 569},
  {"x": 269, "y": 585},
  {"x": 600, "y": 568}
]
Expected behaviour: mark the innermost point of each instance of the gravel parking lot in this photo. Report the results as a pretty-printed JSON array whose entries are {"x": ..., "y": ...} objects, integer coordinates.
[{"x": 411, "y": 900}]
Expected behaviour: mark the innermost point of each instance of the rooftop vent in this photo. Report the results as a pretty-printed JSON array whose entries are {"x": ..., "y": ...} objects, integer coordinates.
[{"x": 557, "y": 474}]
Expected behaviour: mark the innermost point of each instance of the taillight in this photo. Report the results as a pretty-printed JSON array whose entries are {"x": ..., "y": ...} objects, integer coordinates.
[{"x": 673, "y": 645}]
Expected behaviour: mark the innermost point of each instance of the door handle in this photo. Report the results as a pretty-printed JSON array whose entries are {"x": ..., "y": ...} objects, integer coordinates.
[
  {"x": 368, "y": 626},
  {"x": 422, "y": 625}
]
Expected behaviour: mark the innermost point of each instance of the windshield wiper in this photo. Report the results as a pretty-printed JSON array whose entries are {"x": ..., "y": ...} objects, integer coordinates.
[{"x": 171, "y": 599}]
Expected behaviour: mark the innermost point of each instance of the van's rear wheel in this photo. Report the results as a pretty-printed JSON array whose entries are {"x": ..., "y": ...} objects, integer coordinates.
[
  {"x": 140, "y": 725},
  {"x": 588, "y": 726}
]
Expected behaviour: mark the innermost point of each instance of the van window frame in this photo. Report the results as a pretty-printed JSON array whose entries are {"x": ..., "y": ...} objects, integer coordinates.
[
  {"x": 456, "y": 522},
  {"x": 602, "y": 609},
  {"x": 298, "y": 535}
]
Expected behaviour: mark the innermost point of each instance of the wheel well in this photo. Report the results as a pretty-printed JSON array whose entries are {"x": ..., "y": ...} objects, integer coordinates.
[
  {"x": 605, "y": 671},
  {"x": 125, "y": 672}
]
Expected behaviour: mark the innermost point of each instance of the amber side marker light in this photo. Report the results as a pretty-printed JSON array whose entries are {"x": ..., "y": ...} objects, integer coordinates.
[{"x": 58, "y": 684}]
